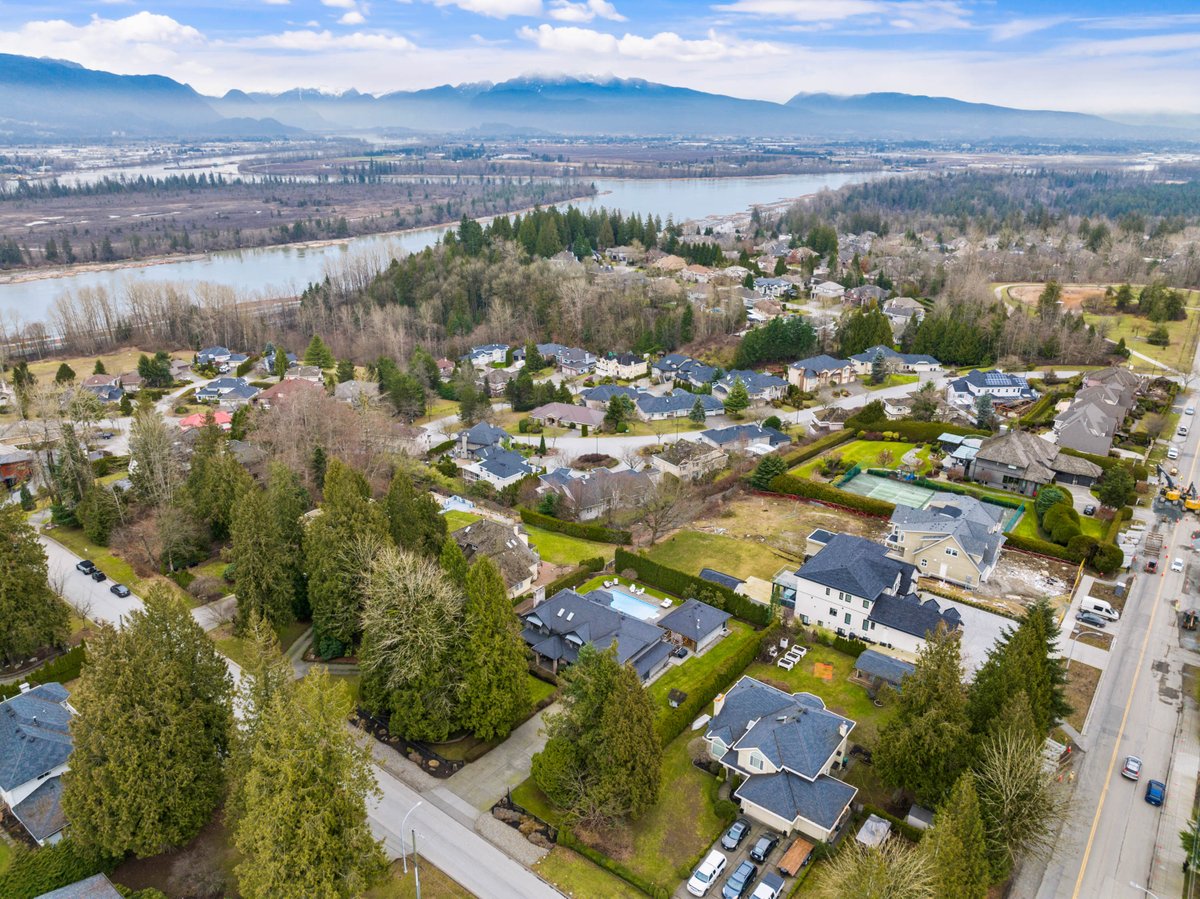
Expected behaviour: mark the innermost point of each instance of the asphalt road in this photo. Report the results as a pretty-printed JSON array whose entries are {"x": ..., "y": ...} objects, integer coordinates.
[{"x": 92, "y": 600}]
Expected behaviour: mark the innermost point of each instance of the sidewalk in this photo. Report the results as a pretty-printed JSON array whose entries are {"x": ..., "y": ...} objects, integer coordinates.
[{"x": 1167, "y": 877}]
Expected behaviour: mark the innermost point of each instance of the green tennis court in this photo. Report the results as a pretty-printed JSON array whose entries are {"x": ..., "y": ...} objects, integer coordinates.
[{"x": 890, "y": 491}]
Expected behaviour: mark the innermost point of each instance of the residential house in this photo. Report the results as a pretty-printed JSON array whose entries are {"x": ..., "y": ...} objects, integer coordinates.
[
  {"x": 695, "y": 374},
  {"x": 237, "y": 390},
  {"x": 820, "y": 371},
  {"x": 736, "y": 584},
  {"x": 625, "y": 254},
  {"x": 357, "y": 393},
  {"x": 772, "y": 287},
  {"x": 35, "y": 748},
  {"x": 247, "y": 454},
  {"x": 834, "y": 418},
  {"x": 305, "y": 373},
  {"x": 1003, "y": 388},
  {"x": 695, "y": 625},
  {"x": 180, "y": 369},
  {"x": 498, "y": 466},
  {"x": 567, "y": 415},
  {"x": 740, "y": 437},
  {"x": 487, "y": 354},
  {"x": 670, "y": 264},
  {"x": 213, "y": 355},
  {"x": 130, "y": 381},
  {"x": 852, "y": 586},
  {"x": 621, "y": 366},
  {"x": 285, "y": 391},
  {"x": 787, "y": 747},
  {"x": 761, "y": 388},
  {"x": 688, "y": 460},
  {"x": 495, "y": 380},
  {"x": 874, "y": 670},
  {"x": 480, "y": 435},
  {"x": 232, "y": 363},
  {"x": 588, "y": 495},
  {"x": 1024, "y": 463},
  {"x": 574, "y": 362},
  {"x": 865, "y": 295},
  {"x": 900, "y": 311},
  {"x": 954, "y": 538},
  {"x": 16, "y": 466},
  {"x": 267, "y": 363},
  {"x": 560, "y": 626},
  {"x": 1087, "y": 426},
  {"x": 959, "y": 457},
  {"x": 598, "y": 397},
  {"x": 665, "y": 369},
  {"x": 676, "y": 404},
  {"x": 106, "y": 394},
  {"x": 445, "y": 368},
  {"x": 907, "y": 363},
  {"x": 1129, "y": 384},
  {"x": 507, "y": 545},
  {"x": 829, "y": 291},
  {"x": 98, "y": 886},
  {"x": 696, "y": 274},
  {"x": 221, "y": 418}
]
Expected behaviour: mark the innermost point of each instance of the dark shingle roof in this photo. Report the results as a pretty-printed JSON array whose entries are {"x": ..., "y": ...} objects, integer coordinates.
[
  {"x": 606, "y": 392},
  {"x": 821, "y": 801},
  {"x": 749, "y": 433},
  {"x": 816, "y": 364},
  {"x": 485, "y": 434},
  {"x": 695, "y": 619},
  {"x": 590, "y": 619},
  {"x": 41, "y": 812},
  {"x": 97, "y": 886},
  {"x": 720, "y": 577},
  {"x": 34, "y": 734},
  {"x": 876, "y": 664},
  {"x": 909, "y": 615},
  {"x": 857, "y": 566}
]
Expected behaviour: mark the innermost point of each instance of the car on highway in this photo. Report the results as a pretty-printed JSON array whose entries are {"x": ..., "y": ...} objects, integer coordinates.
[
  {"x": 1132, "y": 767},
  {"x": 86, "y": 566},
  {"x": 1156, "y": 792},
  {"x": 1089, "y": 509},
  {"x": 1183, "y": 431},
  {"x": 1177, "y": 565},
  {"x": 1089, "y": 618},
  {"x": 99, "y": 576},
  {"x": 764, "y": 846},
  {"x": 119, "y": 590},
  {"x": 736, "y": 833},
  {"x": 706, "y": 875},
  {"x": 739, "y": 881}
]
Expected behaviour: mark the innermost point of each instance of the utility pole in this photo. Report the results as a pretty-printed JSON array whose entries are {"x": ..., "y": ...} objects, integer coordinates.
[{"x": 416, "y": 869}]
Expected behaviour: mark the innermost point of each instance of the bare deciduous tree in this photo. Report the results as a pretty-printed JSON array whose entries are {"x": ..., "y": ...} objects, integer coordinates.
[{"x": 668, "y": 504}]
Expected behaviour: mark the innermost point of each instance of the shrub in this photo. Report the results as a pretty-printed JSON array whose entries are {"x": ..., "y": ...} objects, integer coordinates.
[
  {"x": 848, "y": 646},
  {"x": 1043, "y": 547},
  {"x": 58, "y": 670},
  {"x": 1107, "y": 558},
  {"x": 794, "y": 486},
  {"x": 673, "y": 581},
  {"x": 594, "y": 532},
  {"x": 572, "y": 579},
  {"x": 1047, "y": 498},
  {"x": 1082, "y": 546},
  {"x": 814, "y": 449},
  {"x": 50, "y": 868},
  {"x": 917, "y": 431}
]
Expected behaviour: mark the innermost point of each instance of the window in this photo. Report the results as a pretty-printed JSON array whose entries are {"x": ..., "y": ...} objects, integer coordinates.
[
  {"x": 866, "y": 603},
  {"x": 756, "y": 762},
  {"x": 924, "y": 563},
  {"x": 847, "y": 618},
  {"x": 833, "y": 613},
  {"x": 826, "y": 591},
  {"x": 951, "y": 551}
]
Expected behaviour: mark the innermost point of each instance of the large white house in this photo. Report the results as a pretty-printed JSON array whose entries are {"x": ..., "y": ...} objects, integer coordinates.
[
  {"x": 1002, "y": 387},
  {"x": 35, "y": 748}
]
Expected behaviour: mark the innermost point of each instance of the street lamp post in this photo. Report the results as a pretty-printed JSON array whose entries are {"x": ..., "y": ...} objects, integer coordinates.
[
  {"x": 403, "y": 850},
  {"x": 1138, "y": 886}
]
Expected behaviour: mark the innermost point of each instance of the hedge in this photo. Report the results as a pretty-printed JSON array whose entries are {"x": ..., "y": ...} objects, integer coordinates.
[
  {"x": 60, "y": 669},
  {"x": 30, "y": 874},
  {"x": 443, "y": 447},
  {"x": 567, "y": 838},
  {"x": 1043, "y": 547},
  {"x": 1114, "y": 527},
  {"x": 814, "y": 449},
  {"x": 794, "y": 486},
  {"x": 916, "y": 431},
  {"x": 1140, "y": 472},
  {"x": 671, "y": 580},
  {"x": 1041, "y": 411},
  {"x": 674, "y": 721},
  {"x": 573, "y": 579},
  {"x": 947, "y": 487},
  {"x": 595, "y": 532}
]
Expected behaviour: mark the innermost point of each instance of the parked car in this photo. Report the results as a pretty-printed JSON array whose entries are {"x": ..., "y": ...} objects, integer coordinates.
[
  {"x": 738, "y": 831},
  {"x": 107, "y": 435},
  {"x": 99, "y": 576},
  {"x": 1183, "y": 431},
  {"x": 770, "y": 887},
  {"x": 1090, "y": 618},
  {"x": 1177, "y": 565},
  {"x": 706, "y": 875},
  {"x": 1089, "y": 509},
  {"x": 1190, "y": 410},
  {"x": 119, "y": 589},
  {"x": 764, "y": 846},
  {"x": 1173, "y": 453},
  {"x": 1132, "y": 767},
  {"x": 87, "y": 566},
  {"x": 739, "y": 881},
  {"x": 1156, "y": 792}
]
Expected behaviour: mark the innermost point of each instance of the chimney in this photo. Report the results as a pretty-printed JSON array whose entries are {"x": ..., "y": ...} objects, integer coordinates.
[
  {"x": 25, "y": 687},
  {"x": 844, "y": 729},
  {"x": 718, "y": 703}
]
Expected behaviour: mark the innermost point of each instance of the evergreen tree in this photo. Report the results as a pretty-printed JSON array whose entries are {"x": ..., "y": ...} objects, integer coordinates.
[
  {"x": 687, "y": 324},
  {"x": 280, "y": 363},
  {"x": 549, "y": 241},
  {"x": 542, "y": 445},
  {"x": 154, "y": 468},
  {"x": 495, "y": 689},
  {"x": 317, "y": 465},
  {"x": 534, "y": 360},
  {"x": 307, "y": 783},
  {"x": 627, "y": 742},
  {"x": 98, "y": 513},
  {"x": 769, "y": 467},
  {"x": 956, "y": 848},
  {"x": 891, "y": 871},
  {"x": 453, "y": 563},
  {"x": 925, "y": 403},
  {"x": 72, "y": 472},
  {"x": 619, "y": 411},
  {"x": 863, "y": 329},
  {"x": 928, "y": 744},
  {"x": 1117, "y": 487},
  {"x": 64, "y": 375},
  {"x": 260, "y": 560},
  {"x": 318, "y": 354},
  {"x": 151, "y": 733},
  {"x": 737, "y": 400},
  {"x": 697, "y": 415},
  {"x": 99, "y": 368},
  {"x": 34, "y": 617},
  {"x": 414, "y": 519},
  {"x": 879, "y": 368},
  {"x": 345, "y": 371},
  {"x": 288, "y": 501},
  {"x": 985, "y": 413},
  {"x": 215, "y": 483},
  {"x": 27, "y": 503}
]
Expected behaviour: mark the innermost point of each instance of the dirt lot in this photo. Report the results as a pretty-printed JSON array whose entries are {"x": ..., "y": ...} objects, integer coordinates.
[
  {"x": 1020, "y": 578},
  {"x": 783, "y": 524},
  {"x": 1073, "y": 295}
]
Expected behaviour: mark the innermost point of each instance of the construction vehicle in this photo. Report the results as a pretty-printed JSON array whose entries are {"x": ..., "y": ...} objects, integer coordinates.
[
  {"x": 1152, "y": 549},
  {"x": 1189, "y": 619}
]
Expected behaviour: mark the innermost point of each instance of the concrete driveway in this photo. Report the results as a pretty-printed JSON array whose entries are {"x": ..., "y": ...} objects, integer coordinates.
[{"x": 485, "y": 781}]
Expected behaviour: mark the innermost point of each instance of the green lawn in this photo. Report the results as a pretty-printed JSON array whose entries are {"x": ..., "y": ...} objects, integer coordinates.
[
  {"x": 839, "y": 694},
  {"x": 685, "y": 677},
  {"x": 690, "y": 551},
  {"x": 1178, "y": 353},
  {"x": 1027, "y": 526},
  {"x": 576, "y": 876},
  {"x": 5, "y": 855},
  {"x": 435, "y": 884},
  {"x": 353, "y": 683},
  {"x": 894, "y": 381},
  {"x": 213, "y": 568},
  {"x": 540, "y": 689},
  {"x": 456, "y": 519},
  {"x": 559, "y": 549},
  {"x": 863, "y": 452},
  {"x": 234, "y": 647}
]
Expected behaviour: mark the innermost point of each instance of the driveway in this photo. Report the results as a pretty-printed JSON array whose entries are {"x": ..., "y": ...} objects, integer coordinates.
[{"x": 483, "y": 782}]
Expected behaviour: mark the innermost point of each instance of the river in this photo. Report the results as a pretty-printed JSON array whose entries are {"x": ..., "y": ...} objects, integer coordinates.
[{"x": 286, "y": 270}]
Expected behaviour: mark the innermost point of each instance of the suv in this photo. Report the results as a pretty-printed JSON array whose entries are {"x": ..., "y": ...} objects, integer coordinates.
[
  {"x": 763, "y": 847},
  {"x": 119, "y": 590},
  {"x": 770, "y": 887},
  {"x": 734, "y": 836},
  {"x": 706, "y": 875},
  {"x": 739, "y": 881},
  {"x": 87, "y": 566},
  {"x": 98, "y": 575}
]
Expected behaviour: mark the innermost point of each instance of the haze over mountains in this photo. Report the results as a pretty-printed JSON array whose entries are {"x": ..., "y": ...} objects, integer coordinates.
[{"x": 45, "y": 99}]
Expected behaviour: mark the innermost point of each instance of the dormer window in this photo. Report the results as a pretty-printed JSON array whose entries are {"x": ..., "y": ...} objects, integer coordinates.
[{"x": 756, "y": 761}]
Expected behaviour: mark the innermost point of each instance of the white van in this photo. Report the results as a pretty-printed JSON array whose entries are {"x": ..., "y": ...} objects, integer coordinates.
[{"x": 1099, "y": 607}]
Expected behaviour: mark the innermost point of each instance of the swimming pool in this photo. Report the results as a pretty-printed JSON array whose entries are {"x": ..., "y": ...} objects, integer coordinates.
[{"x": 631, "y": 605}]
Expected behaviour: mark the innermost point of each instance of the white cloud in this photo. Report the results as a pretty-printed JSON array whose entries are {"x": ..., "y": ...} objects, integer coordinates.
[
  {"x": 340, "y": 4},
  {"x": 1015, "y": 28},
  {"x": 566, "y": 11},
  {"x": 904, "y": 15},
  {"x": 495, "y": 9},
  {"x": 277, "y": 2},
  {"x": 319, "y": 41},
  {"x": 1131, "y": 46},
  {"x": 354, "y": 17},
  {"x": 664, "y": 45}
]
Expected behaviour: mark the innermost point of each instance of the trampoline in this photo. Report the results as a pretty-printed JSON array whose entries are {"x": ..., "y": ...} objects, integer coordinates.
[{"x": 897, "y": 492}]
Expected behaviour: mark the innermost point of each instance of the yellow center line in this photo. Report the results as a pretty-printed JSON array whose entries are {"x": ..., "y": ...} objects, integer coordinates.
[{"x": 1112, "y": 762}]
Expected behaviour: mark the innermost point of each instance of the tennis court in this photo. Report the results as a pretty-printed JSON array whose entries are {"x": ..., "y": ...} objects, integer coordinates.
[{"x": 890, "y": 491}]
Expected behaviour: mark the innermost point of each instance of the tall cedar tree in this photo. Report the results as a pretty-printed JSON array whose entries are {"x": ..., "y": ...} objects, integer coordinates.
[
  {"x": 413, "y": 517},
  {"x": 308, "y": 783},
  {"x": 928, "y": 744},
  {"x": 738, "y": 400},
  {"x": 1024, "y": 659},
  {"x": 454, "y": 563},
  {"x": 33, "y": 615},
  {"x": 288, "y": 502},
  {"x": 894, "y": 870},
  {"x": 345, "y": 371},
  {"x": 413, "y": 646},
  {"x": 260, "y": 560},
  {"x": 335, "y": 575},
  {"x": 280, "y": 363},
  {"x": 156, "y": 477},
  {"x": 318, "y": 354},
  {"x": 628, "y": 752},
  {"x": 215, "y": 482},
  {"x": 956, "y": 847},
  {"x": 151, "y": 733},
  {"x": 495, "y": 688},
  {"x": 863, "y": 329}
]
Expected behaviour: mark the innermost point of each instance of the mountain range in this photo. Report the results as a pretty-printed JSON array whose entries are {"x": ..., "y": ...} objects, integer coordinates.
[{"x": 55, "y": 99}]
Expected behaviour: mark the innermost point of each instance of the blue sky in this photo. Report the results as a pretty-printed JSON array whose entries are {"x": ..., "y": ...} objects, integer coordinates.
[{"x": 1091, "y": 56}]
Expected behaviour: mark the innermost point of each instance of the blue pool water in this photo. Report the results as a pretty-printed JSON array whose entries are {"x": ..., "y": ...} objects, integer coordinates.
[{"x": 631, "y": 605}]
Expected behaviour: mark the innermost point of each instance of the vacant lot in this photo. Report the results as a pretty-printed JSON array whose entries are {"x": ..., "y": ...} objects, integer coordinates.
[
  {"x": 575, "y": 875},
  {"x": 435, "y": 884},
  {"x": 691, "y": 551},
  {"x": 1020, "y": 578},
  {"x": 1081, "y": 687}
]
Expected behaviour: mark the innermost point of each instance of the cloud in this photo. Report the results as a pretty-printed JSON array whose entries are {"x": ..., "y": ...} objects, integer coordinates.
[
  {"x": 340, "y": 4},
  {"x": 354, "y": 17},
  {"x": 665, "y": 44},
  {"x": 566, "y": 11},
  {"x": 319, "y": 41},
  {"x": 495, "y": 9},
  {"x": 277, "y": 2},
  {"x": 903, "y": 15},
  {"x": 1154, "y": 44},
  {"x": 1015, "y": 28}
]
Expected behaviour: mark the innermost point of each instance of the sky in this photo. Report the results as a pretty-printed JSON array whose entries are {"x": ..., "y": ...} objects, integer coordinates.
[{"x": 1094, "y": 56}]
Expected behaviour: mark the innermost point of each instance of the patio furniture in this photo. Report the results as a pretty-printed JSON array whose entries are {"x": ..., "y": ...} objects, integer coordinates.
[{"x": 665, "y": 604}]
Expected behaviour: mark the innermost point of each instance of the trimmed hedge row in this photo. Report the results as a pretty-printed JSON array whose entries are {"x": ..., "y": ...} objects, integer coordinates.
[
  {"x": 573, "y": 579},
  {"x": 1043, "y": 547},
  {"x": 1040, "y": 412},
  {"x": 594, "y": 532},
  {"x": 915, "y": 431},
  {"x": 948, "y": 487},
  {"x": 1140, "y": 472},
  {"x": 814, "y": 449},
  {"x": 655, "y": 891},
  {"x": 443, "y": 447},
  {"x": 30, "y": 874},
  {"x": 794, "y": 486},
  {"x": 60, "y": 669},
  {"x": 1114, "y": 527},
  {"x": 672, "y": 722},
  {"x": 671, "y": 580}
]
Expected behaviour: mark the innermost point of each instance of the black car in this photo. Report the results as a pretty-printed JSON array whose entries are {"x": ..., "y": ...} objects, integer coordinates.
[
  {"x": 739, "y": 881},
  {"x": 87, "y": 566},
  {"x": 681, "y": 652},
  {"x": 98, "y": 576},
  {"x": 1089, "y": 510},
  {"x": 119, "y": 589},
  {"x": 764, "y": 846},
  {"x": 734, "y": 836}
]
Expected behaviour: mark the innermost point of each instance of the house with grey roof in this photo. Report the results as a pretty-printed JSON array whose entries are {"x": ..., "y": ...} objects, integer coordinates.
[
  {"x": 485, "y": 355},
  {"x": 1088, "y": 426},
  {"x": 479, "y": 436},
  {"x": 598, "y": 397},
  {"x": 35, "y": 751},
  {"x": 505, "y": 544},
  {"x": 1005, "y": 389},
  {"x": 357, "y": 393},
  {"x": 788, "y": 747},
  {"x": 820, "y": 371},
  {"x": 567, "y": 415},
  {"x": 560, "y": 626},
  {"x": 719, "y": 577},
  {"x": 590, "y": 494},
  {"x": 498, "y": 466},
  {"x": 855, "y": 588},
  {"x": 743, "y": 436},
  {"x": 906, "y": 363},
  {"x": 695, "y": 624},
  {"x": 676, "y": 404},
  {"x": 1023, "y": 463},
  {"x": 760, "y": 387},
  {"x": 98, "y": 886},
  {"x": 874, "y": 670},
  {"x": 688, "y": 460},
  {"x": 865, "y": 295},
  {"x": 954, "y": 538}
]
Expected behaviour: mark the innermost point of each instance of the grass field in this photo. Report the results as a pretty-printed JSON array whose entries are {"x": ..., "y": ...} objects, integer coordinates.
[
  {"x": 692, "y": 550},
  {"x": 560, "y": 549},
  {"x": 1027, "y": 526},
  {"x": 435, "y": 884},
  {"x": 456, "y": 519},
  {"x": 864, "y": 453},
  {"x": 234, "y": 647},
  {"x": 894, "y": 381},
  {"x": 576, "y": 876},
  {"x": 6, "y": 853},
  {"x": 1178, "y": 354},
  {"x": 597, "y": 583}
]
